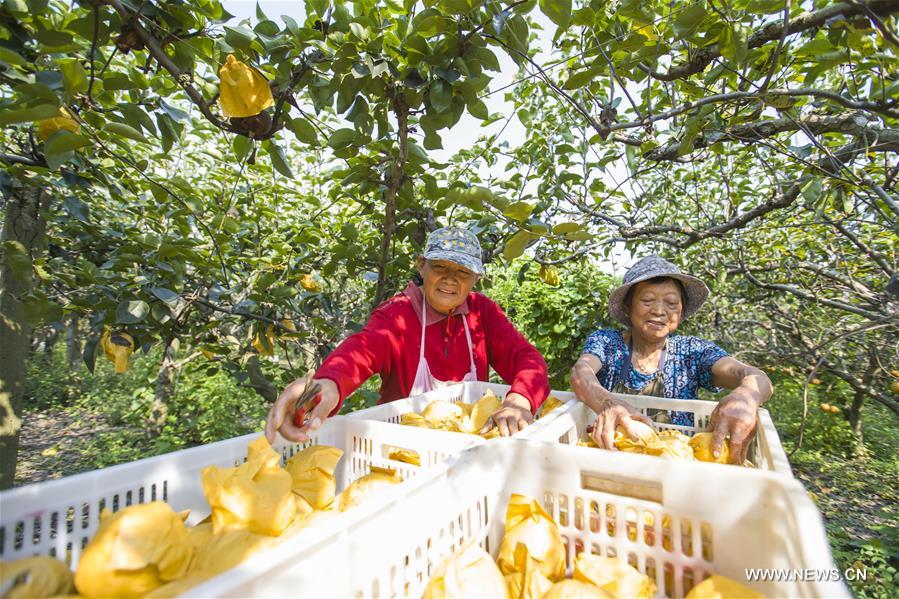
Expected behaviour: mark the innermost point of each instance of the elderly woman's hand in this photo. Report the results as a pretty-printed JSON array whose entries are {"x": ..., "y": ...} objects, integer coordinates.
[
  {"x": 613, "y": 414},
  {"x": 735, "y": 415},
  {"x": 514, "y": 415}
]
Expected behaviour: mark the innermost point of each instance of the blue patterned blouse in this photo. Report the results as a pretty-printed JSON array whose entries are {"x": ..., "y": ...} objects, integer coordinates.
[{"x": 687, "y": 367}]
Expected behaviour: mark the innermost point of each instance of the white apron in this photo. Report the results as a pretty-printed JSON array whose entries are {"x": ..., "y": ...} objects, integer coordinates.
[{"x": 424, "y": 381}]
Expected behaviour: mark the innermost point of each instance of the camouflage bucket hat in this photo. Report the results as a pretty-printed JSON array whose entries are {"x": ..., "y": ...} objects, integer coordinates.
[
  {"x": 648, "y": 268},
  {"x": 456, "y": 245}
]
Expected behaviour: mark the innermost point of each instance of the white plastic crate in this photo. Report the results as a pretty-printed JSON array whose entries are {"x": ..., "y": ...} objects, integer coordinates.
[
  {"x": 765, "y": 452},
  {"x": 466, "y": 392},
  {"x": 59, "y": 517},
  {"x": 716, "y": 524}
]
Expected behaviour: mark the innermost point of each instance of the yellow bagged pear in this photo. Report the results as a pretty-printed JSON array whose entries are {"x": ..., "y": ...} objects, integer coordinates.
[
  {"x": 439, "y": 410},
  {"x": 407, "y": 456},
  {"x": 134, "y": 551},
  {"x": 528, "y": 524},
  {"x": 118, "y": 347},
  {"x": 47, "y": 127},
  {"x": 675, "y": 445},
  {"x": 701, "y": 443},
  {"x": 44, "y": 576},
  {"x": 312, "y": 472},
  {"x": 243, "y": 91},
  {"x": 647, "y": 439},
  {"x": 617, "y": 578},
  {"x": 200, "y": 534},
  {"x": 256, "y": 495},
  {"x": 469, "y": 572},
  {"x": 176, "y": 588},
  {"x": 360, "y": 489},
  {"x": 227, "y": 549},
  {"x": 309, "y": 284},
  {"x": 527, "y": 582},
  {"x": 551, "y": 403},
  {"x": 575, "y": 589},
  {"x": 721, "y": 587},
  {"x": 413, "y": 419},
  {"x": 481, "y": 411}
]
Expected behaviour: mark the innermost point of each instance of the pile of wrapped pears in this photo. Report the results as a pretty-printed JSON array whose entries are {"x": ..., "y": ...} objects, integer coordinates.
[
  {"x": 668, "y": 443},
  {"x": 147, "y": 550},
  {"x": 530, "y": 564},
  {"x": 467, "y": 418}
]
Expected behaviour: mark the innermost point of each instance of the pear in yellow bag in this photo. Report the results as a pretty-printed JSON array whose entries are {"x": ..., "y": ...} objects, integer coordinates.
[
  {"x": 617, "y": 578},
  {"x": 47, "y": 127},
  {"x": 134, "y": 551},
  {"x": 527, "y": 582},
  {"x": 243, "y": 91},
  {"x": 44, "y": 576},
  {"x": 312, "y": 472},
  {"x": 721, "y": 587},
  {"x": 528, "y": 524},
  {"x": 469, "y": 572},
  {"x": 575, "y": 589},
  {"x": 256, "y": 495},
  {"x": 360, "y": 489}
]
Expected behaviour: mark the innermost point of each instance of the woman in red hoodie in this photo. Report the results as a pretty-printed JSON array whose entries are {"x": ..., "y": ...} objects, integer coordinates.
[{"x": 426, "y": 337}]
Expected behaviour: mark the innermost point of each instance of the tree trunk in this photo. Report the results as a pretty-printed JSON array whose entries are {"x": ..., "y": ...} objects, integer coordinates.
[
  {"x": 24, "y": 224},
  {"x": 49, "y": 343},
  {"x": 165, "y": 384},
  {"x": 854, "y": 411},
  {"x": 73, "y": 344}
]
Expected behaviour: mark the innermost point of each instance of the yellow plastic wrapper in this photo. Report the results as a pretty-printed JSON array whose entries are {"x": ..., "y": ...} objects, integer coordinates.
[
  {"x": 42, "y": 576},
  {"x": 617, "y": 578},
  {"x": 47, "y": 127},
  {"x": 224, "y": 551},
  {"x": 361, "y": 488},
  {"x": 527, "y": 582},
  {"x": 588, "y": 442},
  {"x": 406, "y": 456},
  {"x": 200, "y": 534},
  {"x": 243, "y": 91},
  {"x": 256, "y": 495},
  {"x": 118, "y": 347},
  {"x": 176, "y": 588},
  {"x": 675, "y": 445},
  {"x": 701, "y": 443},
  {"x": 481, "y": 411},
  {"x": 312, "y": 472},
  {"x": 528, "y": 524},
  {"x": 575, "y": 589},
  {"x": 647, "y": 439},
  {"x": 309, "y": 284},
  {"x": 551, "y": 403},
  {"x": 413, "y": 419},
  {"x": 440, "y": 410},
  {"x": 721, "y": 587},
  {"x": 134, "y": 551},
  {"x": 469, "y": 572}
]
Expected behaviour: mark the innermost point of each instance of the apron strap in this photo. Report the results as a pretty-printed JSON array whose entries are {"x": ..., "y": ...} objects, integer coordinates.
[{"x": 474, "y": 370}]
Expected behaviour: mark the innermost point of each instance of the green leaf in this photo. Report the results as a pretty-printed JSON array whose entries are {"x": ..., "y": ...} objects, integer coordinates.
[
  {"x": 126, "y": 131},
  {"x": 165, "y": 295},
  {"x": 65, "y": 141},
  {"x": 689, "y": 19},
  {"x": 558, "y": 11},
  {"x": 479, "y": 110},
  {"x": 342, "y": 138},
  {"x": 440, "y": 95},
  {"x": 563, "y": 228},
  {"x": 518, "y": 210},
  {"x": 18, "y": 260},
  {"x": 28, "y": 115},
  {"x": 131, "y": 312},
  {"x": 74, "y": 77},
  {"x": 279, "y": 161},
  {"x": 578, "y": 236},
  {"x": 239, "y": 37},
  {"x": 90, "y": 352},
  {"x": 733, "y": 43},
  {"x": 10, "y": 57},
  {"x": 76, "y": 208},
  {"x": 473, "y": 197},
  {"x": 241, "y": 146},
  {"x": 516, "y": 245},
  {"x": 581, "y": 78}
]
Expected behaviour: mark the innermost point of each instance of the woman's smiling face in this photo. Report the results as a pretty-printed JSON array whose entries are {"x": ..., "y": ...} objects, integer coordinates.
[
  {"x": 655, "y": 309},
  {"x": 446, "y": 284}
]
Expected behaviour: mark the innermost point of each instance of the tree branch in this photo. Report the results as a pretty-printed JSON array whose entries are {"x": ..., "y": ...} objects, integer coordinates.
[{"x": 702, "y": 57}]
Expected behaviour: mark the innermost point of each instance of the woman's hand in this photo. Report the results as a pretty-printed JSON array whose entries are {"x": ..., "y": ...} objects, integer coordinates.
[
  {"x": 614, "y": 413},
  {"x": 735, "y": 415},
  {"x": 280, "y": 416},
  {"x": 514, "y": 415}
]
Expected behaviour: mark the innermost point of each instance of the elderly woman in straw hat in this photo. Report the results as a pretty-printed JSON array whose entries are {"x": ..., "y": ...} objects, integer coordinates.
[
  {"x": 649, "y": 359},
  {"x": 430, "y": 335}
]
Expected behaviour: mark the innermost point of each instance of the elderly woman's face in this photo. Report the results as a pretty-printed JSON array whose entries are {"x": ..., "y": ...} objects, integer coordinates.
[
  {"x": 446, "y": 284},
  {"x": 655, "y": 310}
]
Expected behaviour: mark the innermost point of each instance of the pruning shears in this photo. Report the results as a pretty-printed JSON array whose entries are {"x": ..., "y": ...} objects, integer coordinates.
[{"x": 309, "y": 398}]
